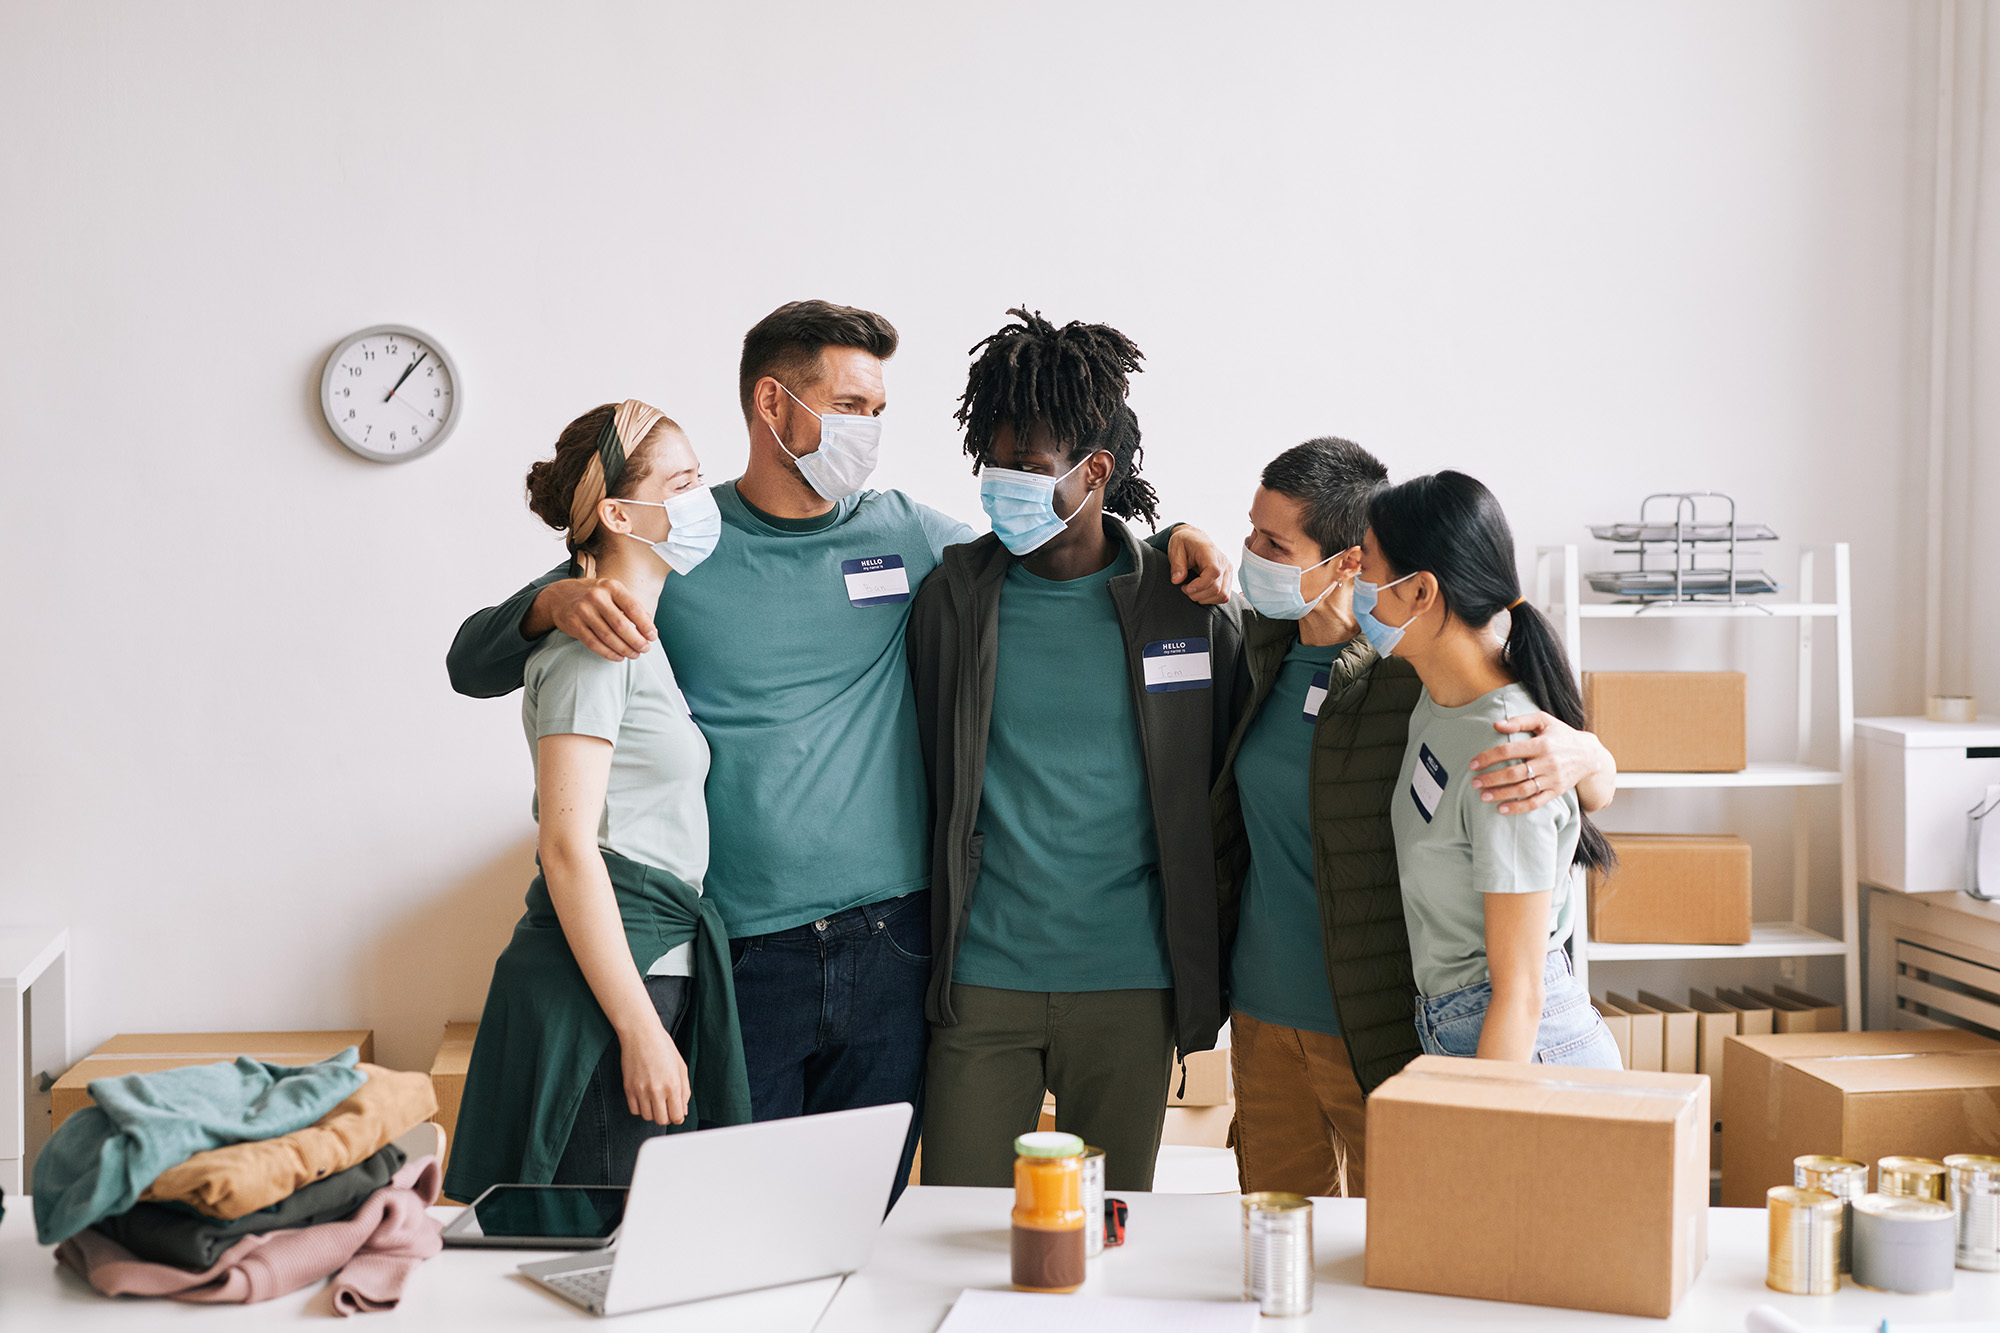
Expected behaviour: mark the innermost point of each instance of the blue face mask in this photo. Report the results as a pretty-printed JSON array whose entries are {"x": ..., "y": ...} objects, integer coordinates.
[
  {"x": 1384, "y": 637},
  {"x": 1022, "y": 506},
  {"x": 1274, "y": 590}
]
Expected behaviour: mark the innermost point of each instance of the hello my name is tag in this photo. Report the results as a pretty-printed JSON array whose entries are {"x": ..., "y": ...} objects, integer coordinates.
[
  {"x": 1176, "y": 664},
  {"x": 876, "y": 580},
  {"x": 1427, "y": 783},
  {"x": 1316, "y": 694}
]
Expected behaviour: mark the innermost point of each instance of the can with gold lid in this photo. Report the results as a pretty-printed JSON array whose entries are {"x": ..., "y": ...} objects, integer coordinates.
[
  {"x": 1278, "y": 1253},
  {"x": 1845, "y": 1179},
  {"x": 1911, "y": 1177},
  {"x": 1974, "y": 1181},
  {"x": 1805, "y": 1241}
]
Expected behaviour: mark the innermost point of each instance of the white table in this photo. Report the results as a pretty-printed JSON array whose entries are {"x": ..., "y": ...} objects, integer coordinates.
[
  {"x": 37, "y": 957},
  {"x": 459, "y": 1289},
  {"x": 1189, "y": 1246}
]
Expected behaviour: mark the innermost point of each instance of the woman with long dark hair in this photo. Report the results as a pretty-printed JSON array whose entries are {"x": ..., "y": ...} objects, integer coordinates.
[{"x": 1487, "y": 896}]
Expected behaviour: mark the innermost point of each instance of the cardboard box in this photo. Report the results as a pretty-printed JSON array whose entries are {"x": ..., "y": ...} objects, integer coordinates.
[
  {"x": 1669, "y": 721},
  {"x": 1198, "y": 1126},
  {"x": 148, "y": 1052},
  {"x": 1619, "y": 1024},
  {"x": 448, "y": 1066},
  {"x": 1464, "y": 1198},
  {"x": 1208, "y": 1081},
  {"x": 1673, "y": 888},
  {"x": 1649, "y": 1033},
  {"x": 1864, "y": 1095}
]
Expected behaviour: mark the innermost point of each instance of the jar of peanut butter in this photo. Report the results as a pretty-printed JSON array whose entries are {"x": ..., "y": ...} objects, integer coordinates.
[{"x": 1048, "y": 1212}]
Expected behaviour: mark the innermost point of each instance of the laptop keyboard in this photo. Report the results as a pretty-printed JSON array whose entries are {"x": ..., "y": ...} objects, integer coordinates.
[{"x": 585, "y": 1287}]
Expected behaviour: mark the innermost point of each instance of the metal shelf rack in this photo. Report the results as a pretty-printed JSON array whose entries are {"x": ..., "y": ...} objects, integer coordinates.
[{"x": 1559, "y": 593}]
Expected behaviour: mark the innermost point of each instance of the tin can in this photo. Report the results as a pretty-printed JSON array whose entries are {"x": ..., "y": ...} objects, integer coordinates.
[
  {"x": 1911, "y": 1177},
  {"x": 1278, "y": 1253},
  {"x": 1975, "y": 1202},
  {"x": 1805, "y": 1241},
  {"x": 1902, "y": 1244},
  {"x": 1093, "y": 1202},
  {"x": 1846, "y": 1180}
]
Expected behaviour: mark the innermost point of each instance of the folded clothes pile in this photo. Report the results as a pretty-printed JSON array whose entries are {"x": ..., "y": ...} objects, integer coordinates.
[{"x": 243, "y": 1181}]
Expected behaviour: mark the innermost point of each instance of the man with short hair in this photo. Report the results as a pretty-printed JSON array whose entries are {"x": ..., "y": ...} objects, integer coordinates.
[
  {"x": 788, "y": 642},
  {"x": 1073, "y": 706},
  {"x": 1321, "y": 993}
]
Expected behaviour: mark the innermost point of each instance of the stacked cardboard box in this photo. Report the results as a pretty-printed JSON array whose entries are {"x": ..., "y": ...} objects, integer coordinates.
[
  {"x": 1669, "y": 721},
  {"x": 150, "y": 1052},
  {"x": 1673, "y": 888}
]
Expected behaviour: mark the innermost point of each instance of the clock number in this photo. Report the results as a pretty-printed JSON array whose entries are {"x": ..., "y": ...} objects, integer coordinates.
[
  {"x": 350, "y": 414},
  {"x": 436, "y": 392},
  {"x": 367, "y": 356},
  {"x": 392, "y": 434},
  {"x": 354, "y": 370}
]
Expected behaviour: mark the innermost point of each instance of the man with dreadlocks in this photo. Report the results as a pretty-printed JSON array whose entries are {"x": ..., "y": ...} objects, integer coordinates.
[{"x": 1073, "y": 707}]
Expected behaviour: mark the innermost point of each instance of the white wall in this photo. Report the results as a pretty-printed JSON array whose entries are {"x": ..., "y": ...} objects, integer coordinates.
[{"x": 1583, "y": 251}]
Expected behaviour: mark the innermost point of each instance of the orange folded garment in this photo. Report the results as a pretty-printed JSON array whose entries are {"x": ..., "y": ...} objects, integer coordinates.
[{"x": 237, "y": 1180}]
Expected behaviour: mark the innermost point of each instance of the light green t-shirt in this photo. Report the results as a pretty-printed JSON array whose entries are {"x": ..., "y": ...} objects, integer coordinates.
[
  {"x": 789, "y": 643},
  {"x": 1068, "y": 896},
  {"x": 1452, "y": 849},
  {"x": 654, "y": 809},
  {"x": 1277, "y": 970}
]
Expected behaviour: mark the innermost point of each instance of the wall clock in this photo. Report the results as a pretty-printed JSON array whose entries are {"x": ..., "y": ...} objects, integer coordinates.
[{"x": 390, "y": 393}]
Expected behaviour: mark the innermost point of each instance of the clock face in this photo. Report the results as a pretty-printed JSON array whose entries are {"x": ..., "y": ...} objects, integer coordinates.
[{"x": 390, "y": 393}]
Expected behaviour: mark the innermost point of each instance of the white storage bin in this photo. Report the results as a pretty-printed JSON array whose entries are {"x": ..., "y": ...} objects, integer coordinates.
[{"x": 1918, "y": 779}]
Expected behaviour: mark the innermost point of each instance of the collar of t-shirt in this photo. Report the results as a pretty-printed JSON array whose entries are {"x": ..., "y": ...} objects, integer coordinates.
[{"x": 814, "y": 524}]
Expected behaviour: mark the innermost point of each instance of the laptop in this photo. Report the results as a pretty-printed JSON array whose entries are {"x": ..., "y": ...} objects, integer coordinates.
[{"x": 738, "y": 1209}]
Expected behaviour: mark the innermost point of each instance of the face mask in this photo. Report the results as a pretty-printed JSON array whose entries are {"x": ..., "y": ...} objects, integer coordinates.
[
  {"x": 695, "y": 528},
  {"x": 1384, "y": 637},
  {"x": 848, "y": 448},
  {"x": 1022, "y": 506},
  {"x": 1274, "y": 590}
]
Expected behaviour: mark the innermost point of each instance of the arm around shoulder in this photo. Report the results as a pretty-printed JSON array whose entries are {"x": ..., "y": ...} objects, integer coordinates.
[{"x": 490, "y": 652}]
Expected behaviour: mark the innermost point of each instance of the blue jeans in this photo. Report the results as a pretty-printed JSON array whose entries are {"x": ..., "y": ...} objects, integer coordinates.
[
  {"x": 833, "y": 1013},
  {"x": 604, "y": 1139},
  {"x": 1570, "y": 1033}
]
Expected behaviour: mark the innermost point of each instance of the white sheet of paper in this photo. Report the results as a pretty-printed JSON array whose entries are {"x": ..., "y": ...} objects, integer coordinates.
[{"x": 1011, "y": 1311}]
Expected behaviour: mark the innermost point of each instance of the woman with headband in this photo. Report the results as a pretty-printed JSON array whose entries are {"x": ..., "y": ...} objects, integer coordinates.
[{"x": 611, "y": 1016}]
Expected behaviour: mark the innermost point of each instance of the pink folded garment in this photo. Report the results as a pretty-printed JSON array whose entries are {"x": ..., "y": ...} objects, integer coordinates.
[{"x": 369, "y": 1256}]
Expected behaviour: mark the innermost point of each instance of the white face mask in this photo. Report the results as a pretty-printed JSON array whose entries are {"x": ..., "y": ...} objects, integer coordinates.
[
  {"x": 848, "y": 449},
  {"x": 694, "y": 527}
]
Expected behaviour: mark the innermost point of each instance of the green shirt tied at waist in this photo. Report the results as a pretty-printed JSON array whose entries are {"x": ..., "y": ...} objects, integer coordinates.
[
  {"x": 1068, "y": 897},
  {"x": 542, "y": 1032}
]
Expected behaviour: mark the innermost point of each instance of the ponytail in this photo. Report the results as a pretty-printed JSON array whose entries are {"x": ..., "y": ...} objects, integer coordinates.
[{"x": 1449, "y": 524}]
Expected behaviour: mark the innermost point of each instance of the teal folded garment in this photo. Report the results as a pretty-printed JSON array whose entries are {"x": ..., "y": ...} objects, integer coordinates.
[
  {"x": 104, "y": 1156},
  {"x": 173, "y": 1233}
]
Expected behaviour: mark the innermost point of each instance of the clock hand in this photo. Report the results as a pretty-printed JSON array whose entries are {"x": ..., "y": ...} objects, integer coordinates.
[
  {"x": 414, "y": 408},
  {"x": 405, "y": 375}
]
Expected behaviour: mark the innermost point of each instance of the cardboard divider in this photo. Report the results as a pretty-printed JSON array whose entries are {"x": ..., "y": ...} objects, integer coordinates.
[
  {"x": 1683, "y": 1028},
  {"x": 1716, "y": 1024},
  {"x": 1649, "y": 1033},
  {"x": 1752, "y": 1019},
  {"x": 1619, "y": 1023},
  {"x": 1788, "y": 1016},
  {"x": 1832, "y": 1014}
]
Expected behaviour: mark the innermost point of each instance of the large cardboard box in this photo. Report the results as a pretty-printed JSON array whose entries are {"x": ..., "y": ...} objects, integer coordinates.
[
  {"x": 1673, "y": 888},
  {"x": 1208, "y": 1080},
  {"x": 1547, "y": 1185},
  {"x": 1669, "y": 721},
  {"x": 148, "y": 1052},
  {"x": 448, "y": 1066},
  {"x": 1863, "y": 1095}
]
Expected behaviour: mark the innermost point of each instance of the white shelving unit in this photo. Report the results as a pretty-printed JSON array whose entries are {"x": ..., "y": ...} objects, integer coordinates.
[{"x": 1559, "y": 592}]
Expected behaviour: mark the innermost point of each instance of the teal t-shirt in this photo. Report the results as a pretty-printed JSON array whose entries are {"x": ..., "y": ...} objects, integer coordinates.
[
  {"x": 1452, "y": 849},
  {"x": 788, "y": 643},
  {"x": 1068, "y": 896},
  {"x": 1278, "y": 968}
]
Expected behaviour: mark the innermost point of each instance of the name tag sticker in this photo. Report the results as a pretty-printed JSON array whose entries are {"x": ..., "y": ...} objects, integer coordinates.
[
  {"x": 1427, "y": 783},
  {"x": 1316, "y": 694},
  {"x": 1176, "y": 664},
  {"x": 876, "y": 580}
]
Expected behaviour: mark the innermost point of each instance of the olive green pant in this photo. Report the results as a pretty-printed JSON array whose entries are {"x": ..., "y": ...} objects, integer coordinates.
[{"x": 1106, "y": 1055}]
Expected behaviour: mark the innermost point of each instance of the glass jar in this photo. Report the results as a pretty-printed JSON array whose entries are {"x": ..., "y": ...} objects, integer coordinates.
[{"x": 1048, "y": 1212}]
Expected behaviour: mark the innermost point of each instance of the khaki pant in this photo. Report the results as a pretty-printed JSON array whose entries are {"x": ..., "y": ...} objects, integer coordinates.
[
  {"x": 1301, "y": 1126},
  {"x": 1105, "y": 1055}
]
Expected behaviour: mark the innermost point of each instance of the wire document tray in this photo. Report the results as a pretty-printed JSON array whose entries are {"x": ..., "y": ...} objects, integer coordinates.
[{"x": 1690, "y": 557}]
